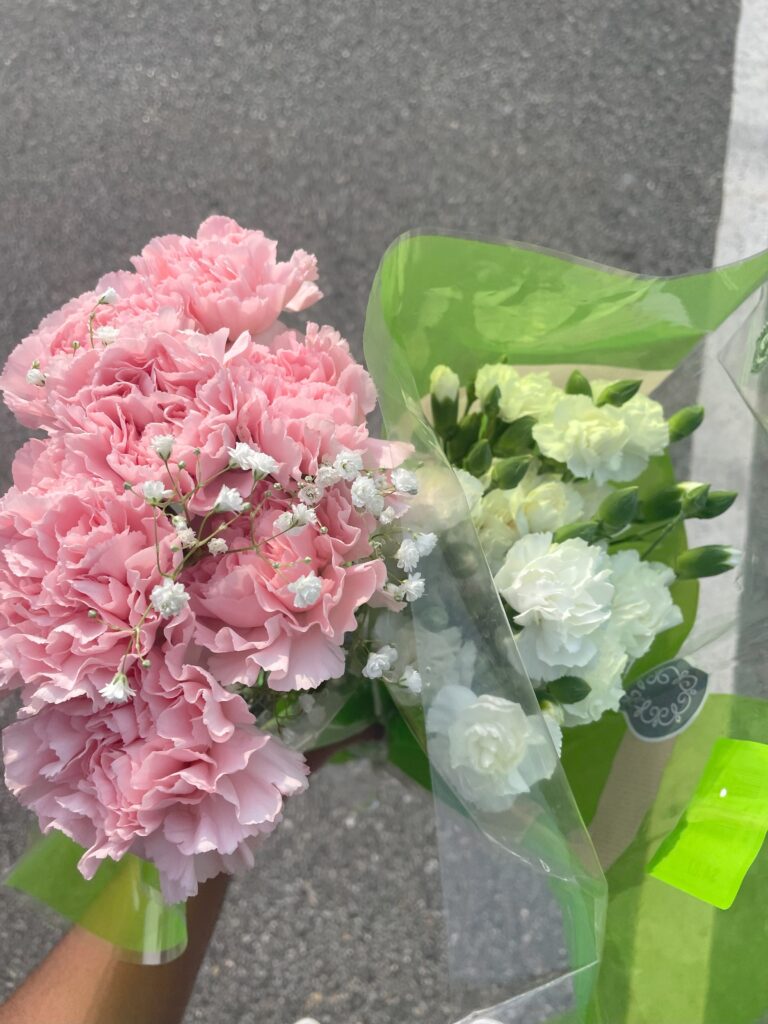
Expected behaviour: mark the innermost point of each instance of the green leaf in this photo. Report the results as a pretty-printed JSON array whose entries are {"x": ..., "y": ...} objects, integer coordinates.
[
  {"x": 516, "y": 438},
  {"x": 507, "y": 473},
  {"x": 619, "y": 509},
  {"x": 578, "y": 384},
  {"x": 479, "y": 459},
  {"x": 619, "y": 392},
  {"x": 568, "y": 689},
  {"x": 588, "y": 530}
]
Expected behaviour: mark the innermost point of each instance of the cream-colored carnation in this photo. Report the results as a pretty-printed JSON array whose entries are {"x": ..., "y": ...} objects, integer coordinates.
[
  {"x": 642, "y": 603},
  {"x": 561, "y": 595},
  {"x": 589, "y": 440},
  {"x": 647, "y": 428},
  {"x": 605, "y": 680},
  {"x": 487, "y": 747}
]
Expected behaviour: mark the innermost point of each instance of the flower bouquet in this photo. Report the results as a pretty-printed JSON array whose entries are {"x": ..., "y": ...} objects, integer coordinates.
[
  {"x": 603, "y": 436},
  {"x": 209, "y": 568}
]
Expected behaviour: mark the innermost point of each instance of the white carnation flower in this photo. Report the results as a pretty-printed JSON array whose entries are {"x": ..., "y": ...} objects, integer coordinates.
[
  {"x": 605, "y": 680},
  {"x": 472, "y": 488},
  {"x": 494, "y": 375},
  {"x": 306, "y": 590},
  {"x": 642, "y": 603},
  {"x": 404, "y": 481},
  {"x": 487, "y": 747},
  {"x": 444, "y": 384},
  {"x": 379, "y": 662},
  {"x": 229, "y": 500},
  {"x": 244, "y": 456},
  {"x": 155, "y": 491},
  {"x": 162, "y": 445},
  {"x": 169, "y": 598},
  {"x": 648, "y": 430},
  {"x": 366, "y": 495},
  {"x": 561, "y": 594},
  {"x": 533, "y": 394},
  {"x": 588, "y": 439}
]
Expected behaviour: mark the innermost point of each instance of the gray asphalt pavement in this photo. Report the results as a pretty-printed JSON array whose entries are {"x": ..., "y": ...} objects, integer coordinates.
[{"x": 597, "y": 127}]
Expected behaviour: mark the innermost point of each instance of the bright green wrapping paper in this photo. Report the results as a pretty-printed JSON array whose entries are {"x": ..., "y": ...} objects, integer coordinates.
[{"x": 668, "y": 958}]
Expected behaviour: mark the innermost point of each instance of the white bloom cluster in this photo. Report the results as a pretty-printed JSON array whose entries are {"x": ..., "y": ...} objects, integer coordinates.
[
  {"x": 295, "y": 518},
  {"x": 230, "y": 500},
  {"x": 155, "y": 492},
  {"x": 306, "y": 590},
  {"x": 169, "y": 598},
  {"x": 244, "y": 456},
  {"x": 380, "y": 662},
  {"x": 413, "y": 548},
  {"x": 489, "y": 749},
  {"x": 118, "y": 689},
  {"x": 585, "y": 612}
]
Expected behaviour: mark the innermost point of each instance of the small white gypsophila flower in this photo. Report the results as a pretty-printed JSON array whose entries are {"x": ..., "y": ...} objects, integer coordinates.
[
  {"x": 35, "y": 376},
  {"x": 155, "y": 491},
  {"x": 379, "y": 662},
  {"x": 365, "y": 494},
  {"x": 404, "y": 481},
  {"x": 179, "y": 523},
  {"x": 217, "y": 546},
  {"x": 327, "y": 476},
  {"x": 245, "y": 457},
  {"x": 387, "y": 516},
  {"x": 108, "y": 297},
  {"x": 413, "y": 548},
  {"x": 169, "y": 598},
  {"x": 306, "y": 590},
  {"x": 186, "y": 537},
  {"x": 106, "y": 335},
  {"x": 411, "y": 679},
  {"x": 348, "y": 464},
  {"x": 118, "y": 689},
  {"x": 295, "y": 518},
  {"x": 229, "y": 500},
  {"x": 310, "y": 493},
  {"x": 412, "y": 588},
  {"x": 162, "y": 445}
]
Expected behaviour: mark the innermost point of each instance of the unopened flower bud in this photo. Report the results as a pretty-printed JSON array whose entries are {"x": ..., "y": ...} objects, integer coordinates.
[
  {"x": 479, "y": 459},
  {"x": 618, "y": 393},
  {"x": 108, "y": 297},
  {"x": 507, "y": 473},
  {"x": 444, "y": 384},
  {"x": 685, "y": 421},
  {"x": 578, "y": 384},
  {"x": 618, "y": 509},
  {"x": 709, "y": 560},
  {"x": 588, "y": 530}
]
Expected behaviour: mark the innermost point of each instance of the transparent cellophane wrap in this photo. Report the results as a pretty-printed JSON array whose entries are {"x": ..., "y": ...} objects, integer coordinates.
[{"x": 523, "y": 896}]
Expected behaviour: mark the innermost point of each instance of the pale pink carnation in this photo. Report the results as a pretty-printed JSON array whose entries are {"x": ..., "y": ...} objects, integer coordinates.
[
  {"x": 64, "y": 552},
  {"x": 180, "y": 775},
  {"x": 228, "y": 276}
]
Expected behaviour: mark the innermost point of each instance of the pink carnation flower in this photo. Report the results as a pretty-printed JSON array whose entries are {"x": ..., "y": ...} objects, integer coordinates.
[
  {"x": 81, "y": 547},
  {"x": 228, "y": 276},
  {"x": 180, "y": 775}
]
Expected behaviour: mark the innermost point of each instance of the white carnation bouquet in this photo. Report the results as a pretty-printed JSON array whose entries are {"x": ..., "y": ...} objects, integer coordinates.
[{"x": 579, "y": 526}]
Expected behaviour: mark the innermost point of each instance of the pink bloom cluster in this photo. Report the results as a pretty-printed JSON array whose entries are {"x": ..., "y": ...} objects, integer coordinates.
[{"x": 199, "y": 519}]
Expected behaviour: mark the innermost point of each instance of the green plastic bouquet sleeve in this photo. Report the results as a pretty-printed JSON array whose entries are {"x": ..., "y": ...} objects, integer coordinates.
[
  {"x": 122, "y": 903},
  {"x": 667, "y": 957}
]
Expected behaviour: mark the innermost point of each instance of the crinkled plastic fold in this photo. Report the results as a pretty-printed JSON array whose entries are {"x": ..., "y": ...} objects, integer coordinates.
[{"x": 526, "y": 909}]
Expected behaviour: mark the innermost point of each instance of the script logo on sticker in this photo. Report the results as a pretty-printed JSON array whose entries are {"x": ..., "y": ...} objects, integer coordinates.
[{"x": 665, "y": 700}]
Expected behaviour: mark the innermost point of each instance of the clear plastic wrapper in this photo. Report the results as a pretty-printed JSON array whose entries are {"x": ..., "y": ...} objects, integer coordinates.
[{"x": 521, "y": 892}]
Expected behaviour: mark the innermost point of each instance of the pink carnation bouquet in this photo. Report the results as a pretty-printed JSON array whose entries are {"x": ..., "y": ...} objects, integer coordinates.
[{"x": 188, "y": 552}]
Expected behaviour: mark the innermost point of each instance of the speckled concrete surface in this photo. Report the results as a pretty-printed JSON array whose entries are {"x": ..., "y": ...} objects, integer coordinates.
[{"x": 596, "y": 127}]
